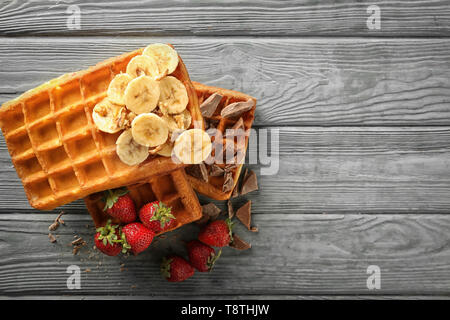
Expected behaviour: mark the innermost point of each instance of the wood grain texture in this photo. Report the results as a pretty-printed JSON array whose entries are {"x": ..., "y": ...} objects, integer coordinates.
[
  {"x": 332, "y": 170},
  {"x": 305, "y": 18},
  {"x": 296, "y": 81},
  {"x": 318, "y": 254}
]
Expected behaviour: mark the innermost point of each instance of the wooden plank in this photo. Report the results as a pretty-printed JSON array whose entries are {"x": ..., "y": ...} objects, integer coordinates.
[
  {"x": 291, "y": 255},
  {"x": 343, "y": 169},
  {"x": 341, "y": 18},
  {"x": 297, "y": 81}
]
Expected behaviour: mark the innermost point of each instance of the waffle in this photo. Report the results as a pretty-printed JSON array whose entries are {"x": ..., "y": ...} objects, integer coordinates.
[
  {"x": 213, "y": 187},
  {"x": 57, "y": 151},
  {"x": 173, "y": 189}
]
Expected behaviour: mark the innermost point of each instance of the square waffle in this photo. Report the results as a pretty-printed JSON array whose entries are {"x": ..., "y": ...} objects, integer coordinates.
[
  {"x": 173, "y": 189},
  {"x": 57, "y": 151},
  {"x": 213, "y": 187}
]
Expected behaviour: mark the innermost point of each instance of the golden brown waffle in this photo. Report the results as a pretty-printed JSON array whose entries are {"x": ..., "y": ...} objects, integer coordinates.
[
  {"x": 172, "y": 189},
  {"x": 55, "y": 147},
  {"x": 213, "y": 187}
]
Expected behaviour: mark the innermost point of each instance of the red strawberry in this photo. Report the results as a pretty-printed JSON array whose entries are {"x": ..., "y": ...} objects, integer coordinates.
[
  {"x": 119, "y": 205},
  {"x": 136, "y": 237},
  {"x": 217, "y": 233},
  {"x": 201, "y": 256},
  {"x": 156, "y": 216},
  {"x": 107, "y": 239},
  {"x": 176, "y": 269}
]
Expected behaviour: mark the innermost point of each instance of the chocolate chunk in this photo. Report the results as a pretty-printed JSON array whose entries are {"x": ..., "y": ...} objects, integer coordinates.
[
  {"x": 244, "y": 214},
  {"x": 230, "y": 167},
  {"x": 237, "y": 108},
  {"x": 211, "y": 210},
  {"x": 229, "y": 149},
  {"x": 216, "y": 171},
  {"x": 51, "y": 238},
  {"x": 235, "y": 193},
  {"x": 198, "y": 171},
  {"x": 230, "y": 209},
  {"x": 237, "y": 129},
  {"x": 254, "y": 229},
  {"x": 209, "y": 106},
  {"x": 229, "y": 182},
  {"x": 239, "y": 244},
  {"x": 250, "y": 182}
]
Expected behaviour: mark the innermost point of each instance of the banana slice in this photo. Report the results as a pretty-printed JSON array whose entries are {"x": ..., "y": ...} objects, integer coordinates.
[
  {"x": 142, "y": 95},
  {"x": 149, "y": 130},
  {"x": 143, "y": 66},
  {"x": 174, "y": 97},
  {"x": 129, "y": 151},
  {"x": 116, "y": 89},
  {"x": 107, "y": 115},
  {"x": 180, "y": 121},
  {"x": 193, "y": 146},
  {"x": 166, "y": 149},
  {"x": 165, "y": 56}
]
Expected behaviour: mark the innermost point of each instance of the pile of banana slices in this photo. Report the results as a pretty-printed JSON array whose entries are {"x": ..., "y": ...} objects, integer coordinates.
[{"x": 149, "y": 106}]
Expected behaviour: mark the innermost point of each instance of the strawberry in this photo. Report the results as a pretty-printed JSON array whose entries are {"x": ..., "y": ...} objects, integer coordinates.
[
  {"x": 107, "y": 239},
  {"x": 136, "y": 237},
  {"x": 217, "y": 233},
  {"x": 119, "y": 205},
  {"x": 176, "y": 269},
  {"x": 156, "y": 216},
  {"x": 201, "y": 256}
]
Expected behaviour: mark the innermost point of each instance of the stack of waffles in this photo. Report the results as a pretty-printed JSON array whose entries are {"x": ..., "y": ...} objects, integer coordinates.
[{"x": 61, "y": 155}]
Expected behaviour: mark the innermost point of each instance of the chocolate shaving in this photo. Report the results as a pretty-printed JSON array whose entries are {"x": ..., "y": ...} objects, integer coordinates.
[
  {"x": 78, "y": 242},
  {"x": 77, "y": 245},
  {"x": 52, "y": 238},
  {"x": 230, "y": 209},
  {"x": 211, "y": 210},
  {"x": 228, "y": 182},
  {"x": 239, "y": 244},
  {"x": 198, "y": 171},
  {"x": 237, "y": 108},
  {"x": 244, "y": 214},
  {"x": 209, "y": 106},
  {"x": 216, "y": 171},
  {"x": 250, "y": 182},
  {"x": 56, "y": 222}
]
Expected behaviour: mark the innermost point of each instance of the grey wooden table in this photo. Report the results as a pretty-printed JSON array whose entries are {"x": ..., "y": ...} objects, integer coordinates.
[{"x": 364, "y": 120}]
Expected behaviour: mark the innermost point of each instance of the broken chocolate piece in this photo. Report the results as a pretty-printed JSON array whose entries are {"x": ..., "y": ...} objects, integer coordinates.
[
  {"x": 254, "y": 229},
  {"x": 198, "y": 171},
  {"x": 235, "y": 193},
  {"x": 230, "y": 209},
  {"x": 228, "y": 182},
  {"x": 239, "y": 244},
  {"x": 237, "y": 129},
  {"x": 230, "y": 167},
  {"x": 244, "y": 214},
  {"x": 250, "y": 182},
  {"x": 211, "y": 210},
  {"x": 237, "y": 108},
  {"x": 216, "y": 171},
  {"x": 209, "y": 106},
  {"x": 51, "y": 238}
]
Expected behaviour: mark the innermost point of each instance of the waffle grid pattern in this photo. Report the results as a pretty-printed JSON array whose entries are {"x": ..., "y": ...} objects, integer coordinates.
[
  {"x": 55, "y": 147},
  {"x": 213, "y": 188},
  {"x": 172, "y": 189}
]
